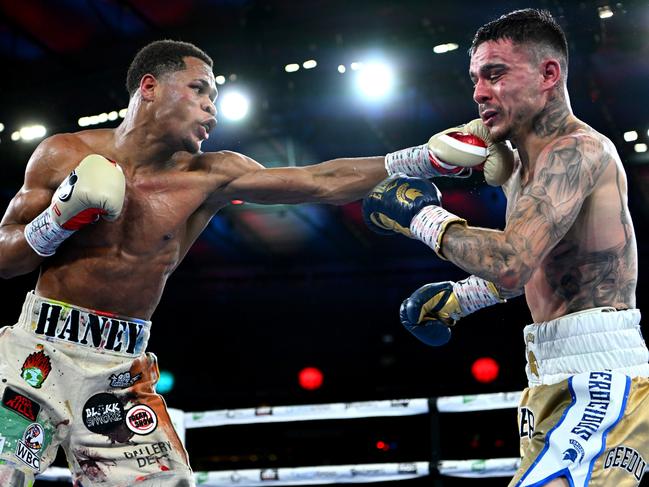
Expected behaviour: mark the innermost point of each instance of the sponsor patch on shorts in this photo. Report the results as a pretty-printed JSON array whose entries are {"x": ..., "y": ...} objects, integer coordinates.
[
  {"x": 20, "y": 404},
  {"x": 28, "y": 450},
  {"x": 627, "y": 459},
  {"x": 36, "y": 368},
  {"x": 103, "y": 413},
  {"x": 123, "y": 380},
  {"x": 141, "y": 419}
]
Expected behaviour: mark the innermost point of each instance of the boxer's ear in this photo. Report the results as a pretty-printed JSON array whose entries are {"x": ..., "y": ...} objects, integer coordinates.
[{"x": 148, "y": 86}]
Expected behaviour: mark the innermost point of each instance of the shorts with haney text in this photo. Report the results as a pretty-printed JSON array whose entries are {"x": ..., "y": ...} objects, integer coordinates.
[{"x": 81, "y": 379}]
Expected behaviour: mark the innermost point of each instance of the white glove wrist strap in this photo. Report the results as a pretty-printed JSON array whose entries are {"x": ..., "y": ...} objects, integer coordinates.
[
  {"x": 412, "y": 161},
  {"x": 474, "y": 293},
  {"x": 44, "y": 235},
  {"x": 430, "y": 224}
]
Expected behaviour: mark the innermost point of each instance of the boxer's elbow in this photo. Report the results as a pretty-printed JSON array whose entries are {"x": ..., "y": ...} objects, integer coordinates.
[
  {"x": 513, "y": 276},
  {"x": 9, "y": 270},
  {"x": 17, "y": 259}
]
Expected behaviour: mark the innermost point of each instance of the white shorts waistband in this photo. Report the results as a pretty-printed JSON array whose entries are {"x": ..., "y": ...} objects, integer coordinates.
[
  {"x": 104, "y": 332},
  {"x": 594, "y": 339}
]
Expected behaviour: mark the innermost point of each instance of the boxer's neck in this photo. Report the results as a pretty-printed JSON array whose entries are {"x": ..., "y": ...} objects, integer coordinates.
[
  {"x": 554, "y": 120},
  {"x": 139, "y": 140}
]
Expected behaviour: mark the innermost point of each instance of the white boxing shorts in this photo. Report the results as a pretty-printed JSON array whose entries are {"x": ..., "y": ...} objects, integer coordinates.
[{"x": 80, "y": 379}]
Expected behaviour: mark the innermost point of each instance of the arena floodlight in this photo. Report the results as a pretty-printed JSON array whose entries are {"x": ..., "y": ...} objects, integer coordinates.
[
  {"x": 234, "y": 105},
  {"x": 630, "y": 136},
  {"x": 291, "y": 68},
  {"x": 112, "y": 115},
  {"x": 32, "y": 132},
  {"x": 310, "y": 64},
  {"x": 220, "y": 79},
  {"x": 604, "y": 12},
  {"x": 15, "y": 136},
  {"x": 2, "y": 127},
  {"x": 375, "y": 80},
  {"x": 640, "y": 147},
  {"x": 442, "y": 48},
  {"x": 341, "y": 68},
  {"x": 122, "y": 113}
]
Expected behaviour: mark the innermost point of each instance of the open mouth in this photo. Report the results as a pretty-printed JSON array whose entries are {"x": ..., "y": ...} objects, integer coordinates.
[{"x": 488, "y": 117}]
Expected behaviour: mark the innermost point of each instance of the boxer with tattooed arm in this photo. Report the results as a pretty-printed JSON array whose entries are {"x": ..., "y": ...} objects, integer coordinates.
[{"x": 568, "y": 244}]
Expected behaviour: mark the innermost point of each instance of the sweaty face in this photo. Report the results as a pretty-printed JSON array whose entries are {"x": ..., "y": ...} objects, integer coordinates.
[
  {"x": 186, "y": 108},
  {"x": 506, "y": 87}
]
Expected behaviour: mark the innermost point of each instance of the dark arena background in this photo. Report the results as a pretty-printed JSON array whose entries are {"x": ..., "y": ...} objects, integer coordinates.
[{"x": 269, "y": 290}]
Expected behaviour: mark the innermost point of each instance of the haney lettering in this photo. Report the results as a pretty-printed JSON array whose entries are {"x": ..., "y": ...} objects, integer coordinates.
[{"x": 89, "y": 329}]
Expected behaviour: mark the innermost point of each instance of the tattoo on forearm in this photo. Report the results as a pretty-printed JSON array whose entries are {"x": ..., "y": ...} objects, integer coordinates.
[{"x": 543, "y": 214}]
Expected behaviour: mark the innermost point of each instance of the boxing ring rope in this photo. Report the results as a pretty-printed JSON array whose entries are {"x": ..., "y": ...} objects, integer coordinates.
[{"x": 331, "y": 474}]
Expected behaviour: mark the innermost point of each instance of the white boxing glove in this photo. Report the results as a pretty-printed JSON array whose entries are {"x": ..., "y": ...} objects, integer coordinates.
[
  {"x": 94, "y": 189},
  {"x": 453, "y": 152},
  {"x": 499, "y": 164}
]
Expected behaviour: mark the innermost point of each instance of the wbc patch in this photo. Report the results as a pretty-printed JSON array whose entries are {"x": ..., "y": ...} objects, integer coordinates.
[
  {"x": 28, "y": 450},
  {"x": 20, "y": 404}
]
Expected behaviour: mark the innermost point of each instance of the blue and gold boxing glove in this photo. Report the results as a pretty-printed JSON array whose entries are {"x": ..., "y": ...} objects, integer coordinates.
[
  {"x": 433, "y": 308},
  {"x": 429, "y": 312},
  {"x": 394, "y": 202}
]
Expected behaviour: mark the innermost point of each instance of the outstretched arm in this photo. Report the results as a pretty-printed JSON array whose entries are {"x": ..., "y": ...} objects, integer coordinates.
[
  {"x": 565, "y": 174},
  {"x": 337, "y": 181}
]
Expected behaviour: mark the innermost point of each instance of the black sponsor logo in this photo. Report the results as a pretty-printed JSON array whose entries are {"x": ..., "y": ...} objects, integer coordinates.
[
  {"x": 20, "y": 404},
  {"x": 628, "y": 459},
  {"x": 103, "y": 413},
  {"x": 399, "y": 403},
  {"x": 525, "y": 422},
  {"x": 149, "y": 454},
  {"x": 89, "y": 329},
  {"x": 66, "y": 190}
]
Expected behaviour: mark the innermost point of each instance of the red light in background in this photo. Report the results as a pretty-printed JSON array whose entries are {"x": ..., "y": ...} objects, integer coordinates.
[
  {"x": 237, "y": 202},
  {"x": 382, "y": 445},
  {"x": 310, "y": 378},
  {"x": 485, "y": 369}
]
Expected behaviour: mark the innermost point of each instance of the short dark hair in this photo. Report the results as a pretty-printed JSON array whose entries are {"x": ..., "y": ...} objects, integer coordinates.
[
  {"x": 159, "y": 58},
  {"x": 526, "y": 26}
]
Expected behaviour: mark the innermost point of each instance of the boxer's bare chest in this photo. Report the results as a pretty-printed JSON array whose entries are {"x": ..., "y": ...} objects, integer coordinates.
[{"x": 156, "y": 213}]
